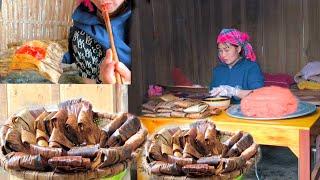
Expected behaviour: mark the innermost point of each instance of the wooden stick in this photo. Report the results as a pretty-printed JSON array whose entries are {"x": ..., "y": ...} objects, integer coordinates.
[{"x": 113, "y": 47}]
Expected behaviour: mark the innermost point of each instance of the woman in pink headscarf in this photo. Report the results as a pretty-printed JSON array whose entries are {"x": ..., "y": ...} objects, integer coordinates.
[{"x": 238, "y": 73}]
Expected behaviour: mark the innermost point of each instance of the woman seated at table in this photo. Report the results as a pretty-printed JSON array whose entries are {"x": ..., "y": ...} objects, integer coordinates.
[{"x": 238, "y": 73}]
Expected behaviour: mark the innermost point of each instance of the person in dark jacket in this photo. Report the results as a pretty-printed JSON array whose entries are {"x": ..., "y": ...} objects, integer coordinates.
[
  {"x": 238, "y": 72},
  {"x": 89, "y": 45}
]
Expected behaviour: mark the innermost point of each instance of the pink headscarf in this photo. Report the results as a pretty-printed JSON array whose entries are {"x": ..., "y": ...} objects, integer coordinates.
[{"x": 235, "y": 37}]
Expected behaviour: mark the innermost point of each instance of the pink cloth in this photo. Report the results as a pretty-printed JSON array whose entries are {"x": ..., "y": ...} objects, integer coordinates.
[
  {"x": 235, "y": 37},
  {"x": 155, "y": 90},
  {"x": 282, "y": 80}
]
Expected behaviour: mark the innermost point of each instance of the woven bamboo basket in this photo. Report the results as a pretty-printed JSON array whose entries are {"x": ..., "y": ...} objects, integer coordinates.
[
  {"x": 101, "y": 119},
  {"x": 24, "y": 20},
  {"x": 145, "y": 168}
]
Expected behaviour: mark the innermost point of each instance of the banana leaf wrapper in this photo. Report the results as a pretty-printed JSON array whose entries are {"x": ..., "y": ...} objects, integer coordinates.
[
  {"x": 54, "y": 144},
  {"x": 75, "y": 106},
  {"x": 211, "y": 160},
  {"x": 48, "y": 123},
  {"x": 215, "y": 111},
  {"x": 202, "y": 125},
  {"x": 178, "y": 114},
  {"x": 165, "y": 136},
  {"x": 28, "y": 137},
  {"x": 150, "y": 115},
  {"x": 183, "y": 138},
  {"x": 194, "y": 170},
  {"x": 233, "y": 139},
  {"x": 169, "y": 97},
  {"x": 191, "y": 152},
  {"x": 35, "y": 112},
  {"x": 177, "y": 150},
  {"x": 185, "y": 103},
  {"x": 115, "y": 124},
  {"x": 245, "y": 142},
  {"x": 163, "y": 168},
  {"x": 137, "y": 139},
  {"x": 74, "y": 134},
  {"x": 154, "y": 152},
  {"x": 97, "y": 161},
  {"x": 212, "y": 141},
  {"x": 89, "y": 151},
  {"x": 190, "y": 135},
  {"x": 58, "y": 139},
  {"x": 70, "y": 163},
  {"x": 40, "y": 121},
  {"x": 21, "y": 161},
  {"x": 179, "y": 160},
  {"x": 129, "y": 128},
  {"x": 23, "y": 120},
  {"x": 90, "y": 132},
  {"x": 46, "y": 152},
  {"x": 59, "y": 120},
  {"x": 13, "y": 141},
  {"x": 152, "y": 104},
  {"x": 210, "y": 134},
  {"x": 166, "y": 150},
  {"x": 115, "y": 155},
  {"x": 200, "y": 144},
  {"x": 233, "y": 163},
  {"x": 4, "y": 130},
  {"x": 145, "y": 111},
  {"x": 164, "y": 111},
  {"x": 198, "y": 108},
  {"x": 200, "y": 115},
  {"x": 250, "y": 152},
  {"x": 42, "y": 138},
  {"x": 163, "y": 114},
  {"x": 177, "y": 109},
  {"x": 165, "y": 105}
]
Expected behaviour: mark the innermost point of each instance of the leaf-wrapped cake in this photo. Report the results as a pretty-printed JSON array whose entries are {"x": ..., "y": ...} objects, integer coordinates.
[
  {"x": 199, "y": 151},
  {"x": 70, "y": 141}
]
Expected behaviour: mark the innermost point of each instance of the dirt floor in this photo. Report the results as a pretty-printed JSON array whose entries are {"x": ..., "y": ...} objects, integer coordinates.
[{"x": 276, "y": 163}]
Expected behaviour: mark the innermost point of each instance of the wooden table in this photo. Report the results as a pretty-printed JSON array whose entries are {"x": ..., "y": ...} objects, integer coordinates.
[{"x": 296, "y": 134}]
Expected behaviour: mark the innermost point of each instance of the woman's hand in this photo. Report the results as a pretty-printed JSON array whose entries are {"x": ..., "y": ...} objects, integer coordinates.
[
  {"x": 225, "y": 90},
  {"x": 109, "y": 68}
]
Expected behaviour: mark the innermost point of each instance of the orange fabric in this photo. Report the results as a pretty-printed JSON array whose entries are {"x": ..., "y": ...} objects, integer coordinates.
[
  {"x": 28, "y": 56},
  {"x": 24, "y": 62}
]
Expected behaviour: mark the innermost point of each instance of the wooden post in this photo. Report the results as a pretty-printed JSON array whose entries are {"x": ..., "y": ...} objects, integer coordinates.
[
  {"x": 304, "y": 155},
  {"x": 121, "y": 98},
  {"x": 3, "y": 103}
]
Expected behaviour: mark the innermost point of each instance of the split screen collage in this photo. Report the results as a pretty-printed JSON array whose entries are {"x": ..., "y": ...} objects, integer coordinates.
[{"x": 159, "y": 89}]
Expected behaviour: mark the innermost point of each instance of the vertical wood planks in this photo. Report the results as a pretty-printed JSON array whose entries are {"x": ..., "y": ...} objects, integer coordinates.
[
  {"x": 3, "y": 103},
  {"x": 102, "y": 97},
  {"x": 14, "y": 97},
  {"x": 20, "y": 96}
]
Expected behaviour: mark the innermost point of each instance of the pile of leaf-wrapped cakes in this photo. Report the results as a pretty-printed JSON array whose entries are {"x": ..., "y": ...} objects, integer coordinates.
[
  {"x": 69, "y": 139},
  {"x": 200, "y": 150}
]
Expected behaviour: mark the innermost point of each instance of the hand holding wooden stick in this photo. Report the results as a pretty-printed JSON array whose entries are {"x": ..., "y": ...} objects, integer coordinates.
[{"x": 113, "y": 47}]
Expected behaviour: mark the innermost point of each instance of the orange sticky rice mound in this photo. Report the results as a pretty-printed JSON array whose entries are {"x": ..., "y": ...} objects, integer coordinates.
[{"x": 269, "y": 102}]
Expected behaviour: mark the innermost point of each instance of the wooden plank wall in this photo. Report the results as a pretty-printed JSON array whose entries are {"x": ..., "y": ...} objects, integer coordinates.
[
  {"x": 182, "y": 33},
  {"x": 14, "y": 97}
]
